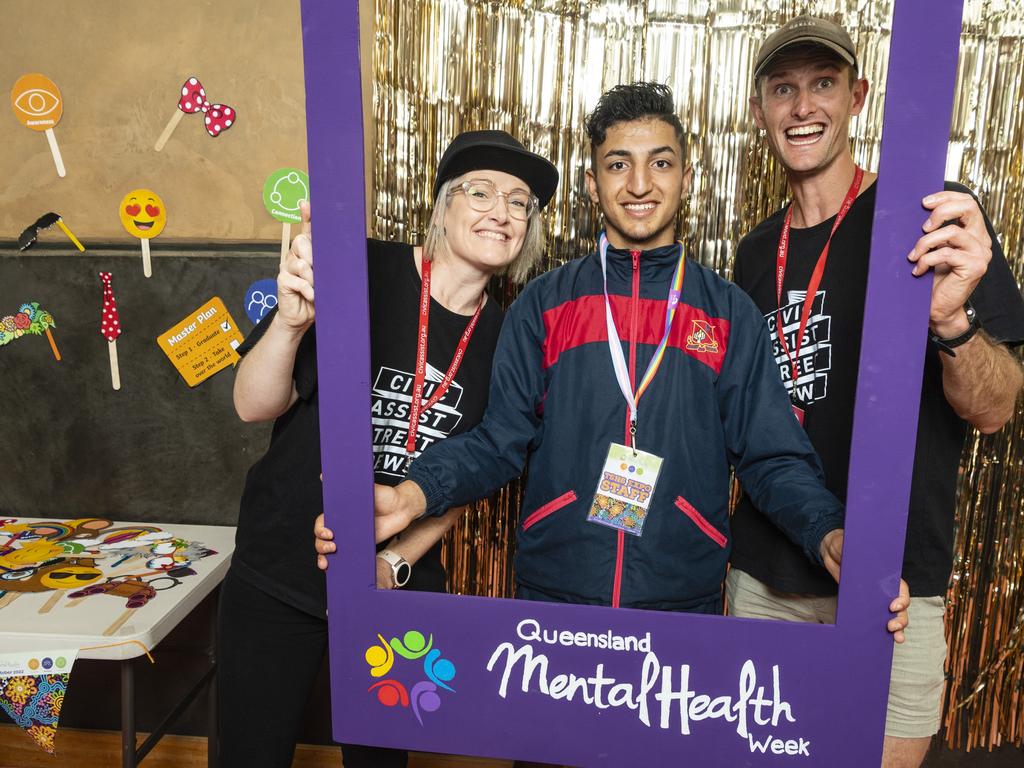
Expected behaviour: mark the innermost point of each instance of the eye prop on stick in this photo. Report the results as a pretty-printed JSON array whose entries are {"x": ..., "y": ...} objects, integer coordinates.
[
  {"x": 38, "y": 105},
  {"x": 217, "y": 117},
  {"x": 47, "y": 220}
]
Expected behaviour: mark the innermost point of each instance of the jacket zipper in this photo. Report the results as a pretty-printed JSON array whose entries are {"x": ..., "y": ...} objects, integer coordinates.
[
  {"x": 550, "y": 508},
  {"x": 634, "y": 311}
]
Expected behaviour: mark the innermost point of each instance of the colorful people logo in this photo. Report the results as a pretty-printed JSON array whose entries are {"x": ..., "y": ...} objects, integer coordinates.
[{"x": 423, "y": 695}]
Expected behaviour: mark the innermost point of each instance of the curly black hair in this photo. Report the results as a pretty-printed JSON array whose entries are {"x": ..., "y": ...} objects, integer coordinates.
[{"x": 626, "y": 103}]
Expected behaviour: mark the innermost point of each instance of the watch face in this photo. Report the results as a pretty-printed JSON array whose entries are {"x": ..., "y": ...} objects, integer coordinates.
[{"x": 402, "y": 573}]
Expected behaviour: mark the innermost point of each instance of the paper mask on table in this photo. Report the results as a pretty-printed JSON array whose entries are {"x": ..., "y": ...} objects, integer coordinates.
[
  {"x": 47, "y": 220},
  {"x": 203, "y": 343},
  {"x": 110, "y": 326},
  {"x": 283, "y": 190},
  {"x": 37, "y": 104},
  {"x": 28, "y": 319},
  {"x": 217, "y": 117},
  {"x": 260, "y": 299},
  {"x": 32, "y": 689},
  {"x": 143, "y": 215}
]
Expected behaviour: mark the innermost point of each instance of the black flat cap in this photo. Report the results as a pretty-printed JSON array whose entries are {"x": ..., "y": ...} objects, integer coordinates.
[{"x": 497, "y": 151}]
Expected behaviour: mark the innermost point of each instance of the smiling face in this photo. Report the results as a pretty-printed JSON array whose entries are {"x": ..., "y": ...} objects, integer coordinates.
[
  {"x": 804, "y": 104},
  {"x": 639, "y": 180},
  {"x": 143, "y": 213},
  {"x": 488, "y": 240}
]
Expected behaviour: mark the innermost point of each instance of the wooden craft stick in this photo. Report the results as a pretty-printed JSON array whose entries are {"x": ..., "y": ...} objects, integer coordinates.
[
  {"x": 53, "y": 344},
  {"x": 51, "y": 138},
  {"x": 169, "y": 129},
  {"x": 119, "y": 623},
  {"x": 115, "y": 373},
  {"x": 147, "y": 264},
  {"x": 70, "y": 235},
  {"x": 7, "y": 598},
  {"x": 286, "y": 240},
  {"x": 54, "y": 599}
]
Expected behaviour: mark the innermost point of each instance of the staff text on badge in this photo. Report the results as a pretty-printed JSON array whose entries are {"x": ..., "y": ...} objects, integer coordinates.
[{"x": 203, "y": 343}]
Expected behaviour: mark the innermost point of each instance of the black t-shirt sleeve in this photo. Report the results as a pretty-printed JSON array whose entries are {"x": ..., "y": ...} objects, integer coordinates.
[
  {"x": 257, "y": 333},
  {"x": 997, "y": 299},
  {"x": 304, "y": 373}
]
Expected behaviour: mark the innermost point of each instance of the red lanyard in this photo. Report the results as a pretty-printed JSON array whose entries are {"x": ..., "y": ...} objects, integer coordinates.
[
  {"x": 812, "y": 287},
  {"x": 418, "y": 406}
]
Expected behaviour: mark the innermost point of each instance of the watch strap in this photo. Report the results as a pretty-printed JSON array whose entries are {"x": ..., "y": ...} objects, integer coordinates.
[
  {"x": 948, "y": 345},
  {"x": 401, "y": 571}
]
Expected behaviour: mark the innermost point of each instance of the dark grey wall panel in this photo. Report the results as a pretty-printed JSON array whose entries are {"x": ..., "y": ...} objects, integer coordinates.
[{"x": 157, "y": 450}]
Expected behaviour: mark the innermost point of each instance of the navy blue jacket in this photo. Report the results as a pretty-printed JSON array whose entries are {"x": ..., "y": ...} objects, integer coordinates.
[{"x": 554, "y": 403}]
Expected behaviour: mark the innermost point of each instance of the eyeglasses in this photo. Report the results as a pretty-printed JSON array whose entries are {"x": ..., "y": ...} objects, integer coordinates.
[{"x": 482, "y": 196}]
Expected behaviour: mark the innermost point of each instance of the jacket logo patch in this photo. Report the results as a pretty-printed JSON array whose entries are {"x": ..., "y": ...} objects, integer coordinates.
[{"x": 702, "y": 337}]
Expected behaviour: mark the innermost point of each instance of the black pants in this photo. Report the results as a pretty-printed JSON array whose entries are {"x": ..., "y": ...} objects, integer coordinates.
[{"x": 268, "y": 657}]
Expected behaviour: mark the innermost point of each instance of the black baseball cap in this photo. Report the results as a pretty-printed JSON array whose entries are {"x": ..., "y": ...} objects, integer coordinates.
[
  {"x": 497, "y": 151},
  {"x": 806, "y": 29}
]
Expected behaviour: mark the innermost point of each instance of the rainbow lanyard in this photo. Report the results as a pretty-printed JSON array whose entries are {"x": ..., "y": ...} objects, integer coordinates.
[{"x": 615, "y": 344}]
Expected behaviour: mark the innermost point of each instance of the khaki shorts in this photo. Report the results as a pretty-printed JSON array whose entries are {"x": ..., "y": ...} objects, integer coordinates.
[{"x": 918, "y": 665}]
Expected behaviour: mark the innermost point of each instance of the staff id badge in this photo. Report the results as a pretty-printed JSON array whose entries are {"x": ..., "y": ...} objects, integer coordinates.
[{"x": 625, "y": 489}]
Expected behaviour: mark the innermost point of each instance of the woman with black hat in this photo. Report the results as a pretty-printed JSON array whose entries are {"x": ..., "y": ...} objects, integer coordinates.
[{"x": 433, "y": 331}]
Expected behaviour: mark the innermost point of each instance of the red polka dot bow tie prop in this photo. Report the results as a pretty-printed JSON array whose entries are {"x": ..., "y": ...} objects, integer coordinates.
[
  {"x": 110, "y": 327},
  {"x": 217, "y": 117}
]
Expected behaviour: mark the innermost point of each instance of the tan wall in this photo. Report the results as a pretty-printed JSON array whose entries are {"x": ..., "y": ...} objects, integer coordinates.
[{"x": 120, "y": 66}]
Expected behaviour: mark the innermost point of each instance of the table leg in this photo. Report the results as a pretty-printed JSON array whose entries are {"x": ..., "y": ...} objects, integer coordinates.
[
  {"x": 212, "y": 743},
  {"x": 128, "y": 714}
]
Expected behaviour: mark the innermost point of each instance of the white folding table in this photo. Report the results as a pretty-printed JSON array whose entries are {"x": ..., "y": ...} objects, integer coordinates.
[{"x": 103, "y": 627}]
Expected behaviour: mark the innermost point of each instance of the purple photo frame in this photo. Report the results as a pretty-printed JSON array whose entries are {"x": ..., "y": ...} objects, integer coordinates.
[{"x": 706, "y": 689}]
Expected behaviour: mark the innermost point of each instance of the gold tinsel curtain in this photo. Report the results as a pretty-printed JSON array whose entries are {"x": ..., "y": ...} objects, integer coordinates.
[{"x": 536, "y": 67}]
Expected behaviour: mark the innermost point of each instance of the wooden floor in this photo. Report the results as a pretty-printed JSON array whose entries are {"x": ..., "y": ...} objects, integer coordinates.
[{"x": 102, "y": 749}]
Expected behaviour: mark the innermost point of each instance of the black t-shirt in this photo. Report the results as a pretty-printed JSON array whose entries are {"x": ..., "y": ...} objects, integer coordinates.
[
  {"x": 826, "y": 387},
  {"x": 282, "y": 496}
]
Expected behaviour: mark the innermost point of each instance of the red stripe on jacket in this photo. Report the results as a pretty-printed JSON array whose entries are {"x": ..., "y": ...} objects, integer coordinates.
[{"x": 581, "y": 321}]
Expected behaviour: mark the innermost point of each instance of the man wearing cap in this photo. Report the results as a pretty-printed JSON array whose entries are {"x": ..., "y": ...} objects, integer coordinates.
[
  {"x": 806, "y": 269},
  {"x": 628, "y": 380}
]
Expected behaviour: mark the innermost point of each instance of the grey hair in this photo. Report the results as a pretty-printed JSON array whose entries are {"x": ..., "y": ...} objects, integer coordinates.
[{"x": 518, "y": 271}]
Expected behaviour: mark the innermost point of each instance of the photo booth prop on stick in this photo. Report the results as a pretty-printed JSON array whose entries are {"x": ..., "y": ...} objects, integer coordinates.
[
  {"x": 202, "y": 344},
  {"x": 38, "y": 105},
  {"x": 587, "y": 685},
  {"x": 47, "y": 220},
  {"x": 110, "y": 326},
  {"x": 216, "y": 117},
  {"x": 143, "y": 215},
  {"x": 283, "y": 190},
  {"x": 29, "y": 319}
]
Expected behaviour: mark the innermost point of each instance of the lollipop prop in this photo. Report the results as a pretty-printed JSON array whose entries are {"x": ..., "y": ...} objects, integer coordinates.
[
  {"x": 218, "y": 117},
  {"x": 47, "y": 220},
  {"x": 144, "y": 216},
  {"x": 29, "y": 319},
  {"x": 110, "y": 327},
  {"x": 37, "y": 104},
  {"x": 283, "y": 190}
]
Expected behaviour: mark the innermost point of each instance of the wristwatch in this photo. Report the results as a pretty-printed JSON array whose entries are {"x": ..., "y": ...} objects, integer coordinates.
[
  {"x": 948, "y": 345},
  {"x": 400, "y": 568}
]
